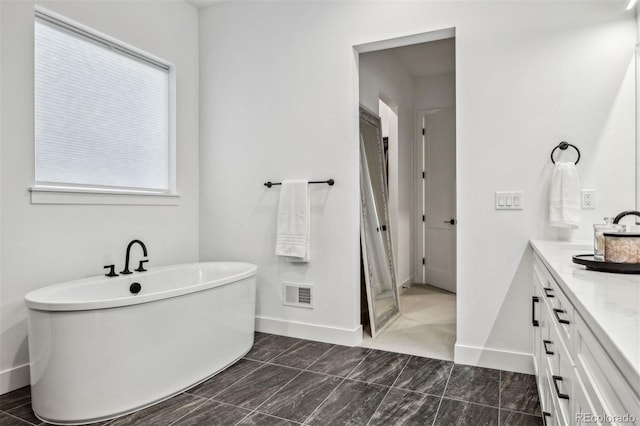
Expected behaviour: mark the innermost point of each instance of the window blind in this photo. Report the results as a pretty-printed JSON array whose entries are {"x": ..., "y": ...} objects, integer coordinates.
[{"x": 101, "y": 114}]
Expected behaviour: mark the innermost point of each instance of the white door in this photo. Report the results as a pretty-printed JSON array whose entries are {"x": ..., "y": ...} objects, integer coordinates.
[{"x": 439, "y": 198}]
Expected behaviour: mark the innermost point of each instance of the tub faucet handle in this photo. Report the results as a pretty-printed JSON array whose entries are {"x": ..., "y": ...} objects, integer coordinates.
[
  {"x": 112, "y": 271},
  {"x": 140, "y": 267}
]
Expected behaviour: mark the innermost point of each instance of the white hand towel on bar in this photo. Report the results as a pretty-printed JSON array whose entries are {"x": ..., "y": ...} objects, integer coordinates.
[
  {"x": 293, "y": 239},
  {"x": 564, "y": 196}
]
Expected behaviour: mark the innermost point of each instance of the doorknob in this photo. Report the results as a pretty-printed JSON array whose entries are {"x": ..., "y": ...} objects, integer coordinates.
[{"x": 450, "y": 221}]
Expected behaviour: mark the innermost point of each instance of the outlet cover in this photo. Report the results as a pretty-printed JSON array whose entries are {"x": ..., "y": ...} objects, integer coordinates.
[{"x": 588, "y": 199}]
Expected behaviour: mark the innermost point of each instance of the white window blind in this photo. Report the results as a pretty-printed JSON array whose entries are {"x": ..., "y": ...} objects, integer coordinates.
[{"x": 101, "y": 112}]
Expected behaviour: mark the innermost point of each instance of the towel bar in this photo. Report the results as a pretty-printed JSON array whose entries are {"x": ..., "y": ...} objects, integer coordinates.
[{"x": 329, "y": 182}]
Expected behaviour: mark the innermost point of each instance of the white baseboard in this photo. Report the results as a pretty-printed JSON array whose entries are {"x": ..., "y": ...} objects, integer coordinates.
[
  {"x": 14, "y": 378},
  {"x": 301, "y": 330},
  {"x": 406, "y": 282},
  {"x": 518, "y": 362}
]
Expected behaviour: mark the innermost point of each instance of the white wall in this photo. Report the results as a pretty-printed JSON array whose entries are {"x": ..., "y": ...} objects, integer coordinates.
[
  {"x": 280, "y": 100},
  {"x": 46, "y": 244},
  {"x": 435, "y": 91},
  {"x": 382, "y": 76}
]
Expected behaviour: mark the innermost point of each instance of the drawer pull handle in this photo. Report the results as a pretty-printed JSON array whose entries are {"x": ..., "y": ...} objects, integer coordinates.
[
  {"x": 557, "y": 313},
  {"x": 544, "y": 417},
  {"x": 534, "y": 321},
  {"x": 556, "y": 379},
  {"x": 547, "y": 290},
  {"x": 546, "y": 350}
]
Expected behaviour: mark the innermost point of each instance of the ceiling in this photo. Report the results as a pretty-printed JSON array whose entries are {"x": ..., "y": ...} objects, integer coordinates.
[
  {"x": 205, "y": 3},
  {"x": 425, "y": 59}
]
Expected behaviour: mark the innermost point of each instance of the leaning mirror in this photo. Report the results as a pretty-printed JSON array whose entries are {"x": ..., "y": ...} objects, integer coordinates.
[
  {"x": 377, "y": 258},
  {"x": 637, "y": 127}
]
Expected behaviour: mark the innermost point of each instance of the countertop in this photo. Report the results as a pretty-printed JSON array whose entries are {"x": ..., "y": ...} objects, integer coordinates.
[{"x": 608, "y": 303}]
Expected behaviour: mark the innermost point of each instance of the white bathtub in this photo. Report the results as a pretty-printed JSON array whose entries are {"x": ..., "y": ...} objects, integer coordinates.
[{"x": 97, "y": 351}]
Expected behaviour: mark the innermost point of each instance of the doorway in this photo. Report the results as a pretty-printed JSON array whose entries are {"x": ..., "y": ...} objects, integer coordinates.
[
  {"x": 436, "y": 198},
  {"x": 416, "y": 80}
]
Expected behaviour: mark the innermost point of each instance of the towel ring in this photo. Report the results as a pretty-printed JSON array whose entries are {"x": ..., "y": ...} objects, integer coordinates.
[{"x": 564, "y": 145}]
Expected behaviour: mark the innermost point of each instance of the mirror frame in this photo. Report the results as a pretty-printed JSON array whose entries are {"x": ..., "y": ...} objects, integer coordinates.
[
  {"x": 637, "y": 63},
  {"x": 378, "y": 324}
]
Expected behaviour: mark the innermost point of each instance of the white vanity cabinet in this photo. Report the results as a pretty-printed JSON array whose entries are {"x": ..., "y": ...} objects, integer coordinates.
[{"x": 578, "y": 381}]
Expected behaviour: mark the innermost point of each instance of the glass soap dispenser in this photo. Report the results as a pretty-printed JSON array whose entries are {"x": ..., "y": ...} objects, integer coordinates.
[{"x": 598, "y": 237}]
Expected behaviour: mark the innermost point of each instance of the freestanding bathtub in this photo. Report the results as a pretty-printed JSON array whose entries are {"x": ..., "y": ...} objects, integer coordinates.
[{"x": 98, "y": 351}]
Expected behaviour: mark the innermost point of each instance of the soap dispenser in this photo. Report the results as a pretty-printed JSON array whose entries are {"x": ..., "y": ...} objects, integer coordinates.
[{"x": 598, "y": 236}]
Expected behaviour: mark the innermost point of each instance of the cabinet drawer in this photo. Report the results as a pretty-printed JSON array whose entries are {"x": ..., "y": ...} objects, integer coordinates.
[
  {"x": 561, "y": 375},
  {"x": 563, "y": 316},
  {"x": 545, "y": 279},
  {"x": 608, "y": 391},
  {"x": 562, "y": 311},
  {"x": 549, "y": 412}
]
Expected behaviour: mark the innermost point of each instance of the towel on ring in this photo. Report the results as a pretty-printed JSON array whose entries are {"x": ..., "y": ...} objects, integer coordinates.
[
  {"x": 564, "y": 196},
  {"x": 293, "y": 239}
]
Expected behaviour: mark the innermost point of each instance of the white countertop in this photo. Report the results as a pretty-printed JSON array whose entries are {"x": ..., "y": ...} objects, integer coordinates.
[{"x": 609, "y": 303}]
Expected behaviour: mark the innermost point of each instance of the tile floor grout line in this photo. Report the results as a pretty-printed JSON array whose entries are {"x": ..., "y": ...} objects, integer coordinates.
[
  {"x": 204, "y": 401},
  {"x": 216, "y": 375},
  {"x": 212, "y": 398},
  {"x": 245, "y": 417},
  {"x": 279, "y": 389},
  {"x": 304, "y": 422},
  {"x": 389, "y": 390},
  {"x": 318, "y": 359},
  {"x": 336, "y": 388},
  {"x": 17, "y": 406},
  {"x": 511, "y": 411},
  {"x": 335, "y": 376},
  {"x": 20, "y": 419},
  {"x": 443, "y": 393},
  {"x": 279, "y": 353},
  {"x": 242, "y": 378},
  {"x": 251, "y": 413},
  {"x": 499, "y": 394},
  {"x": 471, "y": 402}
]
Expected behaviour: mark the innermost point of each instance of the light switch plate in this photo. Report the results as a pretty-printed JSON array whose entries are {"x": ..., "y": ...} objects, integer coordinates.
[
  {"x": 588, "y": 199},
  {"x": 509, "y": 200}
]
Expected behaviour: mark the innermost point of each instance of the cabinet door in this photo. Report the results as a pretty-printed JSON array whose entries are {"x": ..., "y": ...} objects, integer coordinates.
[
  {"x": 535, "y": 321},
  {"x": 606, "y": 388},
  {"x": 583, "y": 411},
  {"x": 562, "y": 376},
  {"x": 549, "y": 417}
]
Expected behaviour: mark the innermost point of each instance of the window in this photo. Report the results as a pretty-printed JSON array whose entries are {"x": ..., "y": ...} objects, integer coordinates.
[{"x": 102, "y": 114}]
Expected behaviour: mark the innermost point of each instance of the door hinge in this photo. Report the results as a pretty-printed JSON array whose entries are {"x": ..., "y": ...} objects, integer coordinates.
[
  {"x": 423, "y": 132},
  {"x": 423, "y": 261},
  {"x": 423, "y": 218},
  {"x": 422, "y": 175}
]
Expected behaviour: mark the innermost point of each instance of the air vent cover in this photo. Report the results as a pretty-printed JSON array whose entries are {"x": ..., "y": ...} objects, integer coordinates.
[{"x": 300, "y": 295}]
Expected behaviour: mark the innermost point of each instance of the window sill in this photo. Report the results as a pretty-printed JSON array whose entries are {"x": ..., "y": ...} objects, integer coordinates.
[{"x": 94, "y": 196}]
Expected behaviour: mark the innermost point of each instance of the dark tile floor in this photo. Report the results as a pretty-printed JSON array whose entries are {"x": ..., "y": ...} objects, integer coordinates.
[{"x": 286, "y": 381}]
